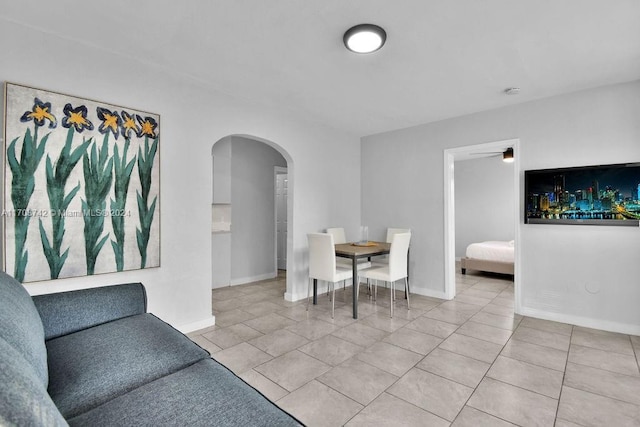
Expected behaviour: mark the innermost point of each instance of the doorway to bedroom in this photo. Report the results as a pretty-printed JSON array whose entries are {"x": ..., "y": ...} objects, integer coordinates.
[{"x": 481, "y": 205}]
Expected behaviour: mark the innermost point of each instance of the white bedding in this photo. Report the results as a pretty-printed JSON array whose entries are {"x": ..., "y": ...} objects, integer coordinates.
[{"x": 492, "y": 251}]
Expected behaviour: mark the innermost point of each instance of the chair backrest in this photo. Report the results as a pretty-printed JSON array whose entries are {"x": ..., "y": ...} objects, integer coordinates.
[
  {"x": 398, "y": 256},
  {"x": 392, "y": 231},
  {"x": 338, "y": 235},
  {"x": 322, "y": 256}
]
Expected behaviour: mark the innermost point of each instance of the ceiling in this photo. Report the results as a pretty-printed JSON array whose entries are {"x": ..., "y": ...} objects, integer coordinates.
[{"x": 442, "y": 58}]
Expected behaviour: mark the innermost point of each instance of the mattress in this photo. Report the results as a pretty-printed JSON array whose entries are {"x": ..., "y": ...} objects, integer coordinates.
[{"x": 492, "y": 251}]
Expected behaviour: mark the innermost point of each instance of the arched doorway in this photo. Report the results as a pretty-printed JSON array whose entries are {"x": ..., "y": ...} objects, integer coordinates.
[{"x": 245, "y": 213}]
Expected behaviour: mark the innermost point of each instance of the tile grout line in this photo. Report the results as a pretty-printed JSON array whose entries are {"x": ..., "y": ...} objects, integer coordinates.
[
  {"x": 606, "y": 370},
  {"x": 603, "y": 396},
  {"x": 480, "y": 382},
  {"x": 635, "y": 353},
  {"x": 437, "y": 347},
  {"x": 564, "y": 374},
  {"x": 386, "y": 390},
  {"x": 483, "y": 377},
  {"x": 492, "y": 363}
]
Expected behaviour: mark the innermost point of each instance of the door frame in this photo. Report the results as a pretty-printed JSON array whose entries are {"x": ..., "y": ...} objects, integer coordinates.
[{"x": 450, "y": 155}]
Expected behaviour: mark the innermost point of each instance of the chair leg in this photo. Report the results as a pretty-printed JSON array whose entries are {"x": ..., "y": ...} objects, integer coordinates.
[
  {"x": 391, "y": 298},
  {"x": 406, "y": 289},
  {"x": 309, "y": 292},
  {"x": 333, "y": 300}
]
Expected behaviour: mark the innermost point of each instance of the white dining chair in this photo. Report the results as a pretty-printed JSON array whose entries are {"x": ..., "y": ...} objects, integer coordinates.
[
  {"x": 322, "y": 265},
  {"x": 338, "y": 234},
  {"x": 395, "y": 270},
  {"x": 392, "y": 231},
  {"x": 339, "y": 237},
  {"x": 383, "y": 261}
]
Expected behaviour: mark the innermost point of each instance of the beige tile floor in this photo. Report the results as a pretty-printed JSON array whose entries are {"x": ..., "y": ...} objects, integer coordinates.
[{"x": 465, "y": 362}]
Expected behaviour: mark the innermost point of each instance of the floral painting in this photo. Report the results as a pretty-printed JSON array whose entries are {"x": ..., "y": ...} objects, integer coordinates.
[{"x": 81, "y": 186}]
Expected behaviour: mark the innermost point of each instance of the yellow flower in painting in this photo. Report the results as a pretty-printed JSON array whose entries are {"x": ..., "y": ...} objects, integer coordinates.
[
  {"x": 40, "y": 112},
  {"x": 129, "y": 125},
  {"x": 76, "y": 117},
  {"x": 111, "y": 121},
  {"x": 147, "y": 126}
]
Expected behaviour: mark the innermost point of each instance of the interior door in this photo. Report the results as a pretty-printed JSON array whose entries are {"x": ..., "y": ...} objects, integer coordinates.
[{"x": 281, "y": 220}]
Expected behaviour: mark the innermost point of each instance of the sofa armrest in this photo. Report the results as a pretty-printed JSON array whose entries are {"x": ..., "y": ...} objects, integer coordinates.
[{"x": 66, "y": 312}]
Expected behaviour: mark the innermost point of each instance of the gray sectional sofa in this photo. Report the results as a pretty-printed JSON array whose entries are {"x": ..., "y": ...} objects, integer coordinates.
[{"x": 94, "y": 357}]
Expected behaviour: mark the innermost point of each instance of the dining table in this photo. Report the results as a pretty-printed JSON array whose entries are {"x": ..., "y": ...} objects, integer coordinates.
[{"x": 356, "y": 251}]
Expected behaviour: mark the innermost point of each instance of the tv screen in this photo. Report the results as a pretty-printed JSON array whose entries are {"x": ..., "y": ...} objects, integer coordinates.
[{"x": 592, "y": 195}]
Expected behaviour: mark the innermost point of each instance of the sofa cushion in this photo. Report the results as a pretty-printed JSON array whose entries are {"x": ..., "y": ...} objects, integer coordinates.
[
  {"x": 21, "y": 326},
  {"x": 203, "y": 394},
  {"x": 23, "y": 398},
  {"x": 65, "y": 312},
  {"x": 92, "y": 366}
]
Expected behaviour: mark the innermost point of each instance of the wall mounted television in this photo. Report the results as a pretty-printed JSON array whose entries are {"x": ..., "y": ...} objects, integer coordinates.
[{"x": 587, "y": 195}]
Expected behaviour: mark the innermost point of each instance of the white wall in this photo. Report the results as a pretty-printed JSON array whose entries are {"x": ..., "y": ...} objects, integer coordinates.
[
  {"x": 579, "y": 274},
  {"x": 193, "y": 118},
  {"x": 221, "y": 153},
  {"x": 253, "y": 210},
  {"x": 484, "y": 201},
  {"x": 221, "y": 235}
]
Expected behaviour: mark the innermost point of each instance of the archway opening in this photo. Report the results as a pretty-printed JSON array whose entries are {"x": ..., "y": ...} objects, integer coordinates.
[{"x": 251, "y": 220}]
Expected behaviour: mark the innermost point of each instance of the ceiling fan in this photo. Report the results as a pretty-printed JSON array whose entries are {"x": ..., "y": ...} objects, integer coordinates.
[{"x": 507, "y": 155}]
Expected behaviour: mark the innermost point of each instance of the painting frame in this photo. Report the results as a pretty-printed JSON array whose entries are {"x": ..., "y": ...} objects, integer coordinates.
[{"x": 81, "y": 193}]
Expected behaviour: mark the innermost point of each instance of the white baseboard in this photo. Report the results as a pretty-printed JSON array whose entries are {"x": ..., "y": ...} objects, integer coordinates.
[
  {"x": 293, "y": 297},
  {"x": 194, "y": 326},
  {"x": 587, "y": 322},
  {"x": 243, "y": 280},
  {"x": 297, "y": 296},
  {"x": 428, "y": 293}
]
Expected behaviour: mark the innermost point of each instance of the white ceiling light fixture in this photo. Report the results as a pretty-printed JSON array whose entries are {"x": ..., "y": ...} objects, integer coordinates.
[{"x": 364, "y": 38}]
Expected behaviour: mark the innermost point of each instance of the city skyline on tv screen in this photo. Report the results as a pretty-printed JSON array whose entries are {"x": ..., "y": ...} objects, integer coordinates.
[{"x": 589, "y": 193}]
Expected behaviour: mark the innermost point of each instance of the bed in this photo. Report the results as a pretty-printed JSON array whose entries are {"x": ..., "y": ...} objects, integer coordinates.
[{"x": 490, "y": 256}]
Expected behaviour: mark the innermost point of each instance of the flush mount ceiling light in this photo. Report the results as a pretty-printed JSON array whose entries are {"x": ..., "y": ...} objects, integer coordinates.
[
  {"x": 364, "y": 38},
  {"x": 507, "y": 156}
]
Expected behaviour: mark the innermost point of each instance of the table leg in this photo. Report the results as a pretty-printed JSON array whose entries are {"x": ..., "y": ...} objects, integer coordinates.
[
  {"x": 354, "y": 280},
  {"x": 408, "y": 288},
  {"x": 315, "y": 291}
]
